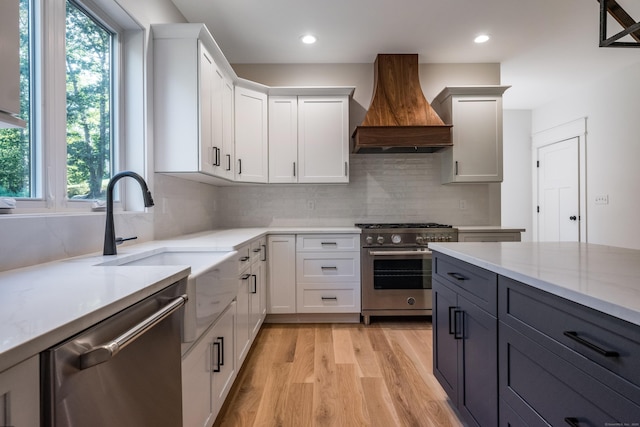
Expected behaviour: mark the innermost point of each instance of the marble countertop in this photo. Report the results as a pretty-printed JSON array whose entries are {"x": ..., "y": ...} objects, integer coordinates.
[
  {"x": 488, "y": 229},
  {"x": 45, "y": 304},
  {"x": 604, "y": 278}
]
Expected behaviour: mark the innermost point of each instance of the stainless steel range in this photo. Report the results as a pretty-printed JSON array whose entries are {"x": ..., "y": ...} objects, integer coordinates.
[{"x": 396, "y": 267}]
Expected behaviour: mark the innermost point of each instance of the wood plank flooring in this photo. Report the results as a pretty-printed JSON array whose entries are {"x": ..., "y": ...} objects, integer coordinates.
[{"x": 339, "y": 375}]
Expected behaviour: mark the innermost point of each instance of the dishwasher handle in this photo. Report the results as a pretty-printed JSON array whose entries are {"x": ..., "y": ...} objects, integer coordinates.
[{"x": 104, "y": 352}]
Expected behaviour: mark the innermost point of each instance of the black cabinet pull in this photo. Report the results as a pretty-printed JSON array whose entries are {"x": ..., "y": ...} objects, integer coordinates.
[
  {"x": 245, "y": 276},
  {"x": 216, "y": 344},
  {"x": 459, "y": 328},
  {"x": 239, "y": 166},
  {"x": 329, "y": 298},
  {"x": 221, "y": 355},
  {"x": 458, "y": 276},
  {"x": 573, "y": 218},
  {"x": 574, "y": 336},
  {"x": 572, "y": 421},
  {"x": 244, "y": 258},
  {"x": 452, "y": 329},
  {"x": 228, "y": 162},
  {"x": 255, "y": 284},
  {"x": 264, "y": 252}
]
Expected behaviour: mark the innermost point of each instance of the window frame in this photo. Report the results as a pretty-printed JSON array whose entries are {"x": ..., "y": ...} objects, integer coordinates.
[{"x": 48, "y": 104}]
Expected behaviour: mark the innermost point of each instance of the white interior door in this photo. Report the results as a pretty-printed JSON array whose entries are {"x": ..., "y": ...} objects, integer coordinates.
[{"x": 559, "y": 191}]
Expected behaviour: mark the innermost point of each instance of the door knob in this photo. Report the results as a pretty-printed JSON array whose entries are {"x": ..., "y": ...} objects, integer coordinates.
[{"x": 573, "y": 217}]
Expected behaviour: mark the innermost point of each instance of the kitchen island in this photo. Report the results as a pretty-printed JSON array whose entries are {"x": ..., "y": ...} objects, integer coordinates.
[{"x": 518, "y": 324}]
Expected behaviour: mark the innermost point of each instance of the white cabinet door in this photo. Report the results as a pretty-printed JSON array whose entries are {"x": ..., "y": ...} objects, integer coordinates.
[
  {"x": 323, "y": 139},
  {"x": 20, "y": 394},
  {"x": 184, "y": 74},
  {"x": 228, "y": 154},
  {"x": 197, "y": 400},
  {"x": 224, "y": 361},
  {"x": 251, "y": 136},
  {"x": 283, "y": 139},
  {"x": 208, "y": 371},
  {"x": 243, "y": 318},
  {"x": 476, "y": 115},
  {"x": 209, "y": 89},
  {"x": 10, "y": 64},
  {"x": 282, "y": 274}
]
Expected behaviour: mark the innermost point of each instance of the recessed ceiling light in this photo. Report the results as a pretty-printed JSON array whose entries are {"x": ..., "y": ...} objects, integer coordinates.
[
  {"x": 308, "y": 39},
  {"x": 482, "y": 38}
]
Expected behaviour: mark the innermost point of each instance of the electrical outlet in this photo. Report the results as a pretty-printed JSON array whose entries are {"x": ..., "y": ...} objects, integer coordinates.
[
  {"x": 311, "y": 204},
  {"x": 463, "y": 205},
  {"x": 602, "y": 199}
]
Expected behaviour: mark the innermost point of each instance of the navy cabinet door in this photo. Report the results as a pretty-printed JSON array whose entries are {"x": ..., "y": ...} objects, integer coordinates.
[
  {"x": 478, "y": 365},
  {"x": 445, "y": 346}
]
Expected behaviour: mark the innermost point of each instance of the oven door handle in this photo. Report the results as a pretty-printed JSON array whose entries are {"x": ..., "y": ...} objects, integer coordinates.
[{"x": 399, "y": 253}]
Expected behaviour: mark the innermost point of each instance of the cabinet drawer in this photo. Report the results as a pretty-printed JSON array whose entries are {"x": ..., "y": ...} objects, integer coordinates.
[
  {"x": 533, "y": 376},
  {"x": 478, "y": 285},
  {"x": 344, "y": 300},
  {"x": 327, "y": 268},
  {"x": 257, "y": 250},
  {"x": 584, "y": 333},
  {"x": 327, "y": 242},
  {"x": 243, "y": 258}
]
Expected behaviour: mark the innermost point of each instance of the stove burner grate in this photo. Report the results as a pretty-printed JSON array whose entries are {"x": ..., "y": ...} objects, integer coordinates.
[{"x": 402, "y": 225}]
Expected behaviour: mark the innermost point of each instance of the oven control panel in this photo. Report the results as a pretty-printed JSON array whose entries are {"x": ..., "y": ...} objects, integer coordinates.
[{"x": 408, "y": 239}]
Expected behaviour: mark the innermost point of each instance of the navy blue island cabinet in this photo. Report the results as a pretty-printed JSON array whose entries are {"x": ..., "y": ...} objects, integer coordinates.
[{"x": 510, "y": 354}]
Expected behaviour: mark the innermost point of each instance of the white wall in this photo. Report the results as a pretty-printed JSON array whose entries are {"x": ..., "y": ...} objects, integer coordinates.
[
  {"x": 613, "y": 151},
  {"x": 516, "y": 205}
]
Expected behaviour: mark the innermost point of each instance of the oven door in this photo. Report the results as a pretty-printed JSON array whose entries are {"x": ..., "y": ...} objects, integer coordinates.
[
  {"x": 400, "y": 269},
  {"x": 396, "y": 281}
]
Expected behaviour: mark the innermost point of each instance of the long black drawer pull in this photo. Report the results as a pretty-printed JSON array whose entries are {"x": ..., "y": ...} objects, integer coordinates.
[
  {"x": 574, "y": 336},
  {"x": 458, "y": 276},
  {"x": 572, "y": 421},
  {"x": 452, "y": 329},
  {"x": 459, "y": 327}
]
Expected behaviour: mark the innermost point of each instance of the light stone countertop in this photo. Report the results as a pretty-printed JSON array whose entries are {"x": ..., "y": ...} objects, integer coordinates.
[
  {"x": 604, "y": 278},
  {"x": 488, "y": 229},
  {"x": 45, "y": 304}
]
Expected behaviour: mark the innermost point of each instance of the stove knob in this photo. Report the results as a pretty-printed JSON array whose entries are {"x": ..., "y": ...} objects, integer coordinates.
[
  {"x": 429, "y": 238},
  {"x": 395, "y": 238},
  {"x": 369, "y": 240},
  {"x": 420, "y": 240},
  {"x": 380, "y": 240}
]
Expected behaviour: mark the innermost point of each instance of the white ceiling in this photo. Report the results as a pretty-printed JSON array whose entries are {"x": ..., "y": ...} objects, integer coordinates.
[{"x": 545, "y": 47}]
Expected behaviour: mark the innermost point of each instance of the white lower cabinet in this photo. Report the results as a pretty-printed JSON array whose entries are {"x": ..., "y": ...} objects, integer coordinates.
[
  {"x": 252, "y": 288},
  {"x": 208, "y": 371},
  {"x": 282, "y": 274},
  {"x": 20, "y": 394},
  {"x": 327, "y": 273}
]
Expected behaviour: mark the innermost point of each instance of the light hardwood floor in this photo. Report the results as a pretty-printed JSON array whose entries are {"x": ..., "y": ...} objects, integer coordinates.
[{"x": 339, "y": 375}]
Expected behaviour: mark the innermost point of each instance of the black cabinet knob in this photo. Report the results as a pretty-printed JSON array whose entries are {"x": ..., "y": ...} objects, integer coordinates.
[{"x": 573, "y": 217}]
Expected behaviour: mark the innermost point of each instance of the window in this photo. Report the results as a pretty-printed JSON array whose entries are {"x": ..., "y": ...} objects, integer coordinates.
[
  {"x": 81, "y": 76},
  {"x": 16, "y": 151},
  {"x": 89, "y": 89}
]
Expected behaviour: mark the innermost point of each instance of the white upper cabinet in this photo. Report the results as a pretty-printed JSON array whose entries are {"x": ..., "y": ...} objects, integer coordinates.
[
  {"x": 251, "y": 147},
  {"x": 476, "y": 115},
  {"x": 283, "y": 139},
  {"x": 10, "y": 64},
  {"x": 309, "y": 139},
  {"x": 193, "y": 104}
]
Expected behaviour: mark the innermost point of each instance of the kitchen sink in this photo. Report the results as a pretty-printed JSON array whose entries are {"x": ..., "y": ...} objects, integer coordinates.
[
  {"x": 211, "y": 286},
  {"x": 165, "y": 256}
]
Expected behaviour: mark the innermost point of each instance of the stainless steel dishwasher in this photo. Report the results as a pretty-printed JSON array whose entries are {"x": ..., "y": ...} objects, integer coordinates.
[{"x": 124, "y": 371}]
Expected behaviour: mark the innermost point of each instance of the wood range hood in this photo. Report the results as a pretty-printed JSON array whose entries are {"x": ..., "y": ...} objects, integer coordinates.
[{"x": 399, "y": 118}]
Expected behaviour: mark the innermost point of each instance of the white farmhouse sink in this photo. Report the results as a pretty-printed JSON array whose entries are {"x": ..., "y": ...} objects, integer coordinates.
[
  {"x": 168, "y": 256},
  {"x": 211, "y": 286}
]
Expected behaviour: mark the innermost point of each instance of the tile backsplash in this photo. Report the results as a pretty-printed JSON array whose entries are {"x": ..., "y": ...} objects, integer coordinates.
[{"x": 382, "y": 188}]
